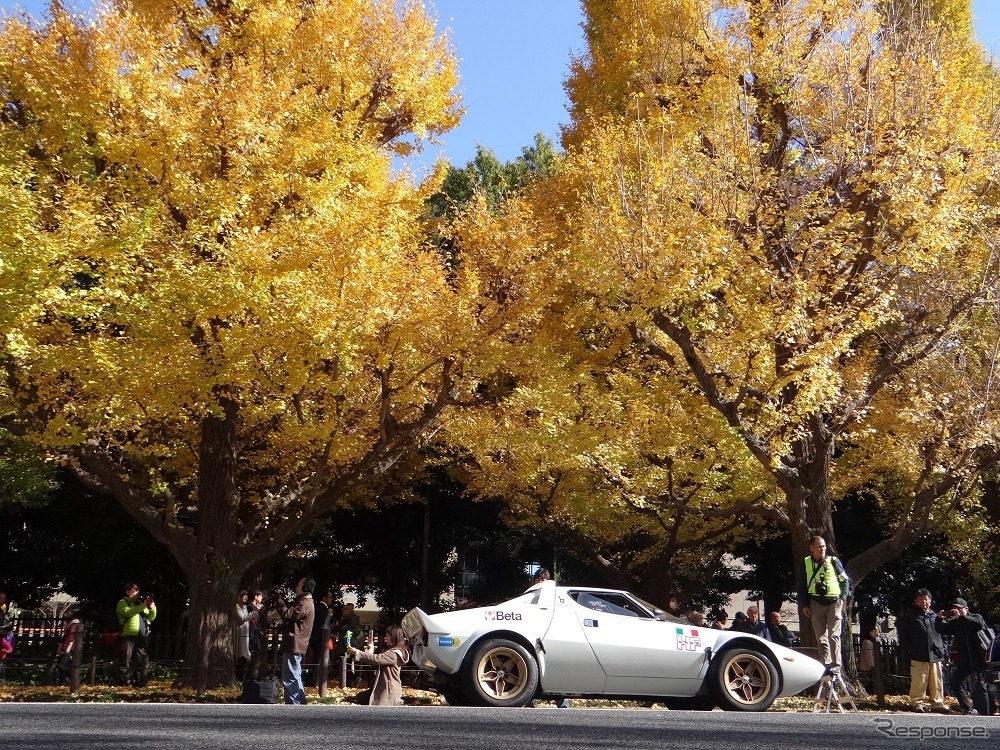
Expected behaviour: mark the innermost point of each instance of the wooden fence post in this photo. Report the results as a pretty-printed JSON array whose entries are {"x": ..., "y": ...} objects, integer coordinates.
[
  {"x": 323, "y": 672},
  {"x": 75, "y": 658},
  {"x": 879, "y": 682}
]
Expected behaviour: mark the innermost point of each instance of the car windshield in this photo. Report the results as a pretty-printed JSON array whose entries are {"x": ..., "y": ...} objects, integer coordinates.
[{"x": 612, "y": 603}]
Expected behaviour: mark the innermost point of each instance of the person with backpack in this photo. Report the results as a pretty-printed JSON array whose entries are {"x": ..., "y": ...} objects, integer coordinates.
[
  {"x": 134, "y": 616},
  {"x": 64, "y": 654},
  {"x": 7, "y": 640},
  {"x": 966, "y": 627}
]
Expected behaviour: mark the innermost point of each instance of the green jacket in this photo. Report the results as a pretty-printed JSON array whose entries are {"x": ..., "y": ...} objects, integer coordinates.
[{"x": 129, "y": 614}]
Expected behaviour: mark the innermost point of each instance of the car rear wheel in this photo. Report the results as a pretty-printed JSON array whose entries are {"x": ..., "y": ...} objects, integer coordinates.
[
  {"x": 500, "y": 672},
  {"x": 745, "y": 680}
]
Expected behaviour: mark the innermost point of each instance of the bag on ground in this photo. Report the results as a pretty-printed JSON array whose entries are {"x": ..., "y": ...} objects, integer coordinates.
[{"x": 264, "y": 690}]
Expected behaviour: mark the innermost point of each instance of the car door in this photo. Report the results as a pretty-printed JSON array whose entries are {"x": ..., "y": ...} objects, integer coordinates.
[
  {"x": 567, "y": 663},
  {"x": 640, "y": 654}
]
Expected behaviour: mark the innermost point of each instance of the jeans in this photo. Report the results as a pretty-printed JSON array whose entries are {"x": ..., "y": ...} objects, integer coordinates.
[
  {"x": 291, "y": 678},
  {"x": 976, "y": 681}
]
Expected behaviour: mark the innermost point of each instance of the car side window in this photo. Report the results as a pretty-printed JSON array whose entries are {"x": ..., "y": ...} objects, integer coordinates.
[{"x": 613, "y": 604}]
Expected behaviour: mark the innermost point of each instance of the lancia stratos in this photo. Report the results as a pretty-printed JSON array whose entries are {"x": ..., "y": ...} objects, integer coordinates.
[{"x": 589, "y": 642}]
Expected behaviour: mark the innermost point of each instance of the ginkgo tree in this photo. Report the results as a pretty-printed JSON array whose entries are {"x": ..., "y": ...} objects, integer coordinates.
[
  {"x": 215, "y": 303},
  {"x": 597, "y": 448},
  {"x": 618, "y": 472},
  {"x": 791, "y": 206}
]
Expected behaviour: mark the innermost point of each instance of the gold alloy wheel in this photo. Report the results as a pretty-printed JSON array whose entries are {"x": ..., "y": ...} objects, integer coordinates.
[
  {"x": 502, "y": 673},
  {"x": 747, "y": 679}
]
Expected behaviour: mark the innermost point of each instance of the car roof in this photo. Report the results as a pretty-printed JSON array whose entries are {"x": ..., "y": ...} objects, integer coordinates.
[{"x": 564, "y": 589}]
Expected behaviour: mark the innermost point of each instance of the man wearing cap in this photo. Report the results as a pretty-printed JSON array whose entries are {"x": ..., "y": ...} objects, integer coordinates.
[
  {"x": 964, "y": 627},
  {"x": 297, "y": 616}
]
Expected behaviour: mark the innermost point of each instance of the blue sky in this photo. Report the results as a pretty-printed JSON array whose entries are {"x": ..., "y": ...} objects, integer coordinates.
[{"x": 515, "y": 55}]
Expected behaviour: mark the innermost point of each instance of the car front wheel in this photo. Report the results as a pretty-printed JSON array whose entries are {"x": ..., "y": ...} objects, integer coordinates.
[
  {"x": 500, "y": 672},
  {"x": 745, "y": 680}
]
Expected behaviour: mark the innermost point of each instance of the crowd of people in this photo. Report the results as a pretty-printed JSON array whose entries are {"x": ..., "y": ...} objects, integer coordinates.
[
  {"x": 311, "y": 626},
  {"x": 921, "y": 631},
  {"x": 823, "y": 589},
  {"x": 942, "y": 648},
  {"x": 313, "y": 630}
]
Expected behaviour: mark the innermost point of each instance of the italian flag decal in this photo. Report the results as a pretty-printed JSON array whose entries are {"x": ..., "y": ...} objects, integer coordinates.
[{"x": 688, "y": 641}]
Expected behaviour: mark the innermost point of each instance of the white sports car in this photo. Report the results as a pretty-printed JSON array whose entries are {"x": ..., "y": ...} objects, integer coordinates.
[{"x": 580, "y": 641}]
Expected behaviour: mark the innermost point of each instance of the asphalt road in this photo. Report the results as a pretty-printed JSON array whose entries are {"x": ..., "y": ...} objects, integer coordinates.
[{"x": 90, "y": 725}]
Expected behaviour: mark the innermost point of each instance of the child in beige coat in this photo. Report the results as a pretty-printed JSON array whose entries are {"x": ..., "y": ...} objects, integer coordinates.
[{"x": 388, "y": 688}]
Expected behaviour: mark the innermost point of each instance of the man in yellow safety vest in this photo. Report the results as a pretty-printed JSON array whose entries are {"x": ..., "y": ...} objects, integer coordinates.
[{"x": 822, "y": 592}]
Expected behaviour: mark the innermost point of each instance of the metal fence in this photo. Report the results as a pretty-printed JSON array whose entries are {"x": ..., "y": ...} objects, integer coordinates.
[{"x": 38, "y": 639}]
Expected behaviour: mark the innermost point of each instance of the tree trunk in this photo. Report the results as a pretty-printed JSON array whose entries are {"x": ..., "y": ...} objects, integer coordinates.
[
  {"x": 849, "y": 656},
  {"x": 214, "y": 577},
  {"x": 810, "y": 508},
  {"x": 210, "y": 656},
  {"x": 800, "y": 551}
]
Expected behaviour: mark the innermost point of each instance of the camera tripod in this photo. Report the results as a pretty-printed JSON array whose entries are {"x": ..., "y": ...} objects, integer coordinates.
[{"x": 832, "y": 689}]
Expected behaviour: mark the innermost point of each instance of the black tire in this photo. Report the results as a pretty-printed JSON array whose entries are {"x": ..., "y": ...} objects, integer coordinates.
[
  {"x": 500, "y": 673},
  {"x": 744, "y": 680}
]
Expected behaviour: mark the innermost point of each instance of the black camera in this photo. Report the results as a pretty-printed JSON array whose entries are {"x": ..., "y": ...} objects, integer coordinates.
[{"x": 821, "y": 587}]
